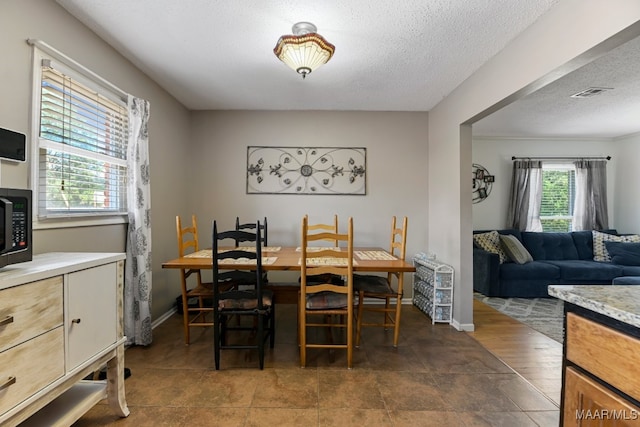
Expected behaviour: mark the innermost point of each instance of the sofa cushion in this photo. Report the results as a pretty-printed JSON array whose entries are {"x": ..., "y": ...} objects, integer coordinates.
[
  {"x": 506, "y": 231},
  {"x": 511, "y": 232},
  {"x": 630, "y": 270},
  {"x": 490, "y": 242},
  {"x": 600, "y": 252},
  {"x": 549, "y": 246},
  {"x": 587, "y": 271},
  {"x": 623, "y": 253},
  {"x": 532, "y": 270},
  {"x": 514, "y": 249},
  {"x": 584, "y": 242},
  {"x": 628, "y": 280}
]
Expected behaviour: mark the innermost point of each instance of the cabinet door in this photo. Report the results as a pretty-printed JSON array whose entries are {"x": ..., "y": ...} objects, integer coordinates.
[
  {"x": 91, "y": 310},
  {"x": 587, "y": 403}
]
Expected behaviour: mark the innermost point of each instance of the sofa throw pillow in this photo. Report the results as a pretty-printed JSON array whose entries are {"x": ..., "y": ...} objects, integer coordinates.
[
  {"x": 623, "y": 253},
  {"x": 490, "y": 242},
  {"x": 514, "y": 249},
  {"x": 600, "y": 252}
]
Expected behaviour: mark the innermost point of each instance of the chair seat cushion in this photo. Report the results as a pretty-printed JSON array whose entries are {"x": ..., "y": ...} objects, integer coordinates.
[
  {"x": 244, "y": 300},
  {"x": 326, "y": 301},
  {"x": 371, "y": 284},
  {"x": 204, "y": 290},
  {"x": 334, "y": 279}
]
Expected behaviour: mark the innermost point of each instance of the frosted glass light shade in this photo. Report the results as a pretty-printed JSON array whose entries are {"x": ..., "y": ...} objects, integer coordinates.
[{"x": 304, "y": 52}]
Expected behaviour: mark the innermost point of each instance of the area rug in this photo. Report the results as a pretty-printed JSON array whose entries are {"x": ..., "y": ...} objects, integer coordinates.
[{"x": 545, "y": 315}]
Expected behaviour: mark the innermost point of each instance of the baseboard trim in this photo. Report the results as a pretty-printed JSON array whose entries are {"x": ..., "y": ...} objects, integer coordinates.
[
  {"x": 466, "y": 327},
  {"x": 160, "y": 320}
]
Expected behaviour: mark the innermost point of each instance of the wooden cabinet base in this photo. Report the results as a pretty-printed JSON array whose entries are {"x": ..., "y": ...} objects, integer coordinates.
[{"x": 588, "y": 403}]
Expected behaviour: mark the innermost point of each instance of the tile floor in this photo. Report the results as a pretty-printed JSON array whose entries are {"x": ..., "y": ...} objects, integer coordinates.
[{"x": 436, "y": 377}]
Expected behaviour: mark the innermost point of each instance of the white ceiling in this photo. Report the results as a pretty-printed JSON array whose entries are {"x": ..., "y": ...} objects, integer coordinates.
[
  {"x": 551, "y": 111},
  {"x": 390, "y": 56}
]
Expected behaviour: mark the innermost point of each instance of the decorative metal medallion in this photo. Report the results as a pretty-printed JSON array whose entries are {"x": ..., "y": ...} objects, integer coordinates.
[
  {"x": 482, "y": 183},
  {"x": 306, "y": 170}
]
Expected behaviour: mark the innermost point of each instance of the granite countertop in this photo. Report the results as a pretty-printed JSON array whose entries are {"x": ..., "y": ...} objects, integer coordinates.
[{"x": 620, "y": 302}]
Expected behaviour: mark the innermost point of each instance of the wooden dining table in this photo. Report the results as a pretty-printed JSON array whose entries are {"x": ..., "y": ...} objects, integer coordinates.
[{"x": 287, "y": 258}]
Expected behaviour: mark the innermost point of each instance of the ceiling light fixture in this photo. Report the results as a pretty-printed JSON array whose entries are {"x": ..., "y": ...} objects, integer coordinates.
[{"x": 305, "y": 50}]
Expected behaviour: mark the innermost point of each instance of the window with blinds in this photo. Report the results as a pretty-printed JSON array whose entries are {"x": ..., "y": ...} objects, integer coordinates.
[
  {"x": 82, "y": 146},
  {"x": 558, "y": 197}
]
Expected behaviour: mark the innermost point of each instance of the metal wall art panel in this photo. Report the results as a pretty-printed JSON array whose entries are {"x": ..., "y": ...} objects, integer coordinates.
[{"x": 306, "y": 170}]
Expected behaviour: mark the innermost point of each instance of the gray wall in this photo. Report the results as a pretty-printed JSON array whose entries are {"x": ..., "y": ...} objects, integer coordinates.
[
  {"x": 396, "y": 173},
  {"x": 169, "y": 132},
  {"x": 430, "y": 186}
]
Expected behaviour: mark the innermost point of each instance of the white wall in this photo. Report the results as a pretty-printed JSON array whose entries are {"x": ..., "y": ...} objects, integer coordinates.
[
  {"x": 495, "y": 155},
  {"x": 556, "y": 44},
  {"x": 396, "y": 172},
  {"x": 168, "y": 131},
  {"x": 627, "y": 182}
]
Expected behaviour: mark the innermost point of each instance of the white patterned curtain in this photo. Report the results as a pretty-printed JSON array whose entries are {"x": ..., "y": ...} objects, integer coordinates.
[
  {"x": 137, "y": 289},
  {"x": 526, "y": 196}
]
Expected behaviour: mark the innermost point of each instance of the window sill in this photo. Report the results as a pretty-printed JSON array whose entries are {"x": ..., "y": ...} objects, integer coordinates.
[{"x": 47, "y": 224}]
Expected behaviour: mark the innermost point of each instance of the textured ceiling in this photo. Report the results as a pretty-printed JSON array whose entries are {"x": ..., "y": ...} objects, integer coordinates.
[
  {"x": 551, "y": 111},
  {"x": 390, "y": 56}
]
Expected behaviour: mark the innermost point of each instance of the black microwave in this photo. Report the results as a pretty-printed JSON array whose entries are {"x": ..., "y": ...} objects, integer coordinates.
[{"x": 15, "y": 226}]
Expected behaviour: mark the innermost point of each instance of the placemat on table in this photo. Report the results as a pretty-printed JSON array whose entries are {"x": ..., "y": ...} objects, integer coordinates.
[
  {"x": 374, "y": 255},
  {"x": 247, "y": 261},
  {"x": 319, "y": 248},
  {"x": 327, "y": 261}
]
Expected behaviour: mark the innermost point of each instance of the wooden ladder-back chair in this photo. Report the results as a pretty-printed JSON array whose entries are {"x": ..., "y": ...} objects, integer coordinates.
[
  {"x": 252, "y": 226},
  {"x": 324, "y": 232},
  {"x": 326, "y": 299},
  {"x": 249, "y": 299},
  {"x": 203, "y": 292},
  {"x": 328, "y": 228},
  {"x": 381, "y": 288}
]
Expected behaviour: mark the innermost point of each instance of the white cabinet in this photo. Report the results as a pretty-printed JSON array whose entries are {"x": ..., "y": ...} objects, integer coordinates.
[
  {"x": 60, "y": 320},
  {"x": 91, "y": 313},
  {"x": 433, "y": 288}
]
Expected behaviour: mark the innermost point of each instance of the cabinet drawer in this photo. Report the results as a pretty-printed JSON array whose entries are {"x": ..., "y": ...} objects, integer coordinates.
[
  {"x": 608, "y": 354},
  {"x": 588, "y": 403},
  {"x": 29, "y": 310},
  {"x": 33, "y": 364}
]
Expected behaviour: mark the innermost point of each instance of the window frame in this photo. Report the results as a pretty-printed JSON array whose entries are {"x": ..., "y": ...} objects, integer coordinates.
[
  {"x": 42, "y": 51},
  {"x": 558, "y": 166}
]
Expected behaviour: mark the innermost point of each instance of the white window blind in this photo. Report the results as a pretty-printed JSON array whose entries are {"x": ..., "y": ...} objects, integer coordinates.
[
  {"x": 558, "y": 197},
  {"x": 82, "y": 146}
]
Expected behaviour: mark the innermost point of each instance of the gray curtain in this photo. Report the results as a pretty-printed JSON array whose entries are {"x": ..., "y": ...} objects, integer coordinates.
[
  {"x": 590, "y": 210},
  {"x": 525, "y": 196},
  {"x": 137, "y": 288}
]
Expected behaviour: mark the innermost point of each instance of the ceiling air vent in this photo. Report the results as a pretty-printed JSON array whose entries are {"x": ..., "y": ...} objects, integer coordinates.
[{"x": 592, "y": 91}]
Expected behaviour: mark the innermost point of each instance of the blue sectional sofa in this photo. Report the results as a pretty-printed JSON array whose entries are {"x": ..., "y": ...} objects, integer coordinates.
[{"x": 558, "y": 259}]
